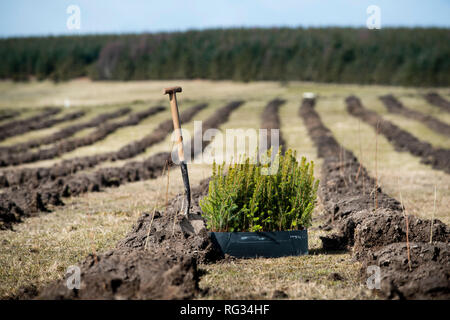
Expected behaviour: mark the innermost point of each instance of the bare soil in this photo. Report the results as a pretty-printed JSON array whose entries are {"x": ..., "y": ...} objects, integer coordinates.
[
  {"x": 271, "y": 121},
  {"x": 438, "y": 158},
  {"x": 8, "y": 114},
  {"x": 395, "y": 106},
  {"x": 429, "y": 277},
  {"x": 435, "y": 99}
]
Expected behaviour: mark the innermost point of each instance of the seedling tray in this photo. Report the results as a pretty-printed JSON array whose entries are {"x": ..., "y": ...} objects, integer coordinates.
[{"x": 262, "y": 244}]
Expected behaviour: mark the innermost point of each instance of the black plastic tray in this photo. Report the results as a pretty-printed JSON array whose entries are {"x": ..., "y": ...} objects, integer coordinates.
[{"x": 262, "y": 244}]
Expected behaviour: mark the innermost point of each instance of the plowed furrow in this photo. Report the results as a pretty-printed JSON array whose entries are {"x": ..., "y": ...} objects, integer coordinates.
[
  {"x": 438, "y": 158},
  {"x": 69, "y": 145},
  {"x": 64, "y": 133},
  {"x": 271, "y": 121},
  {"x": 395, "y": 106},
  {"x": 36, "y": 122},
  {"x": 8, "y": 114},
  {"x": 437, "y": 100}
]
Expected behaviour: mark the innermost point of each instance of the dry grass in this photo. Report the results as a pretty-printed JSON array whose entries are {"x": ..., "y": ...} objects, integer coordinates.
[
  {"x": 308, "y": 277},
  {"x": 41, "y": 248}
]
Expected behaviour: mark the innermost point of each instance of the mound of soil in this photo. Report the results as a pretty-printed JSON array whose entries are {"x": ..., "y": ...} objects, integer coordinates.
[
  {"x": 271, "y": 120},
  {"x": 435, "y": 99},
  {"x": 135, "y": 274},
  {"x": 68, "y": 145},
  {"x": 65, "y": 132},
  {"x": 367, "y": 229},
  {"x": 368, "y": 219},
  {"x": 50, "y": 193},
  {"x": 172, "y": 232},
  {"x": 429, "y": 277},
  {"x": 385, "y": 227},
  {"x": 438, "y": 158},
  {"x": 36, "y": 122},
  {"x": 395, "y": 106}
]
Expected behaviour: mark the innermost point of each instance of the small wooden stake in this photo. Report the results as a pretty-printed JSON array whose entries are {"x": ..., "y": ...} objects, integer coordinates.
[{"x": 434, "y": 212}]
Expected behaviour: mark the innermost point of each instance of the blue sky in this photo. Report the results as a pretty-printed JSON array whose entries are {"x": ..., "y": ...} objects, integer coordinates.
[{"x": 48, "y": 17}]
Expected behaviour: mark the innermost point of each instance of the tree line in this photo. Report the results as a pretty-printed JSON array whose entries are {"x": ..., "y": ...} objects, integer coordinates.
[{"x": 394, "y": 56}]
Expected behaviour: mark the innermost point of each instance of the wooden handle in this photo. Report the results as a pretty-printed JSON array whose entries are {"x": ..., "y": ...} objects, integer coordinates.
[
  {"x": 172, "y": 90},
  {"x": 176, "y": 123}
]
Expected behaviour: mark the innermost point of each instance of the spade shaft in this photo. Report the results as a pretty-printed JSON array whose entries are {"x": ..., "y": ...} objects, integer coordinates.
[{"x": 172, "y": 92}]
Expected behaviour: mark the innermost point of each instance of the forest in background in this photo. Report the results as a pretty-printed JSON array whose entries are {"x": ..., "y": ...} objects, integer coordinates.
[{"x": 394, "y": 56}]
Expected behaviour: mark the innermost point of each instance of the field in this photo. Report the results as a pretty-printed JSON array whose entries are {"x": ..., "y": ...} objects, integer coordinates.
[{"x": 79, "y": 193}]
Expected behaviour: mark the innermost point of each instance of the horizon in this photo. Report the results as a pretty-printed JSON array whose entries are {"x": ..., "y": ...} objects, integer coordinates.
[
  {"x": 21, "y": 19},
  {"x": 211, "y": 29}
]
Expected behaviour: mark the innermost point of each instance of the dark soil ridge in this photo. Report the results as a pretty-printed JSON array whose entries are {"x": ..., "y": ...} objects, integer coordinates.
[
  {"x": 36, "y": 176},
  {"x": 214, "y": 121},
  {"x": 429, "y": 278},
  {"x": 395, "y": 106},
  {"x": 39, "y": 121},
  {"x": 271, "y": 120},
  {"x": 6, "y": 114},
  {"x": 438, "y": 158},
  {"x": 71, "y": 144},
  {"x": 369, "y": 228},
  {"x": 437, "y": 100},
  {"x": 65, "y": 133},
  {"x": 23, "y": 201}
]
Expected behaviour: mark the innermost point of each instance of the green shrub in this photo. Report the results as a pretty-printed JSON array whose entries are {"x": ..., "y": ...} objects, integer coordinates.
[{"x": 246, "y": 200}]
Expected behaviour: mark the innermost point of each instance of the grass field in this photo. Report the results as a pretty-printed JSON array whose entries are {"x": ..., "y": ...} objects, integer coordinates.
[{"x": 41, "y": 248}]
